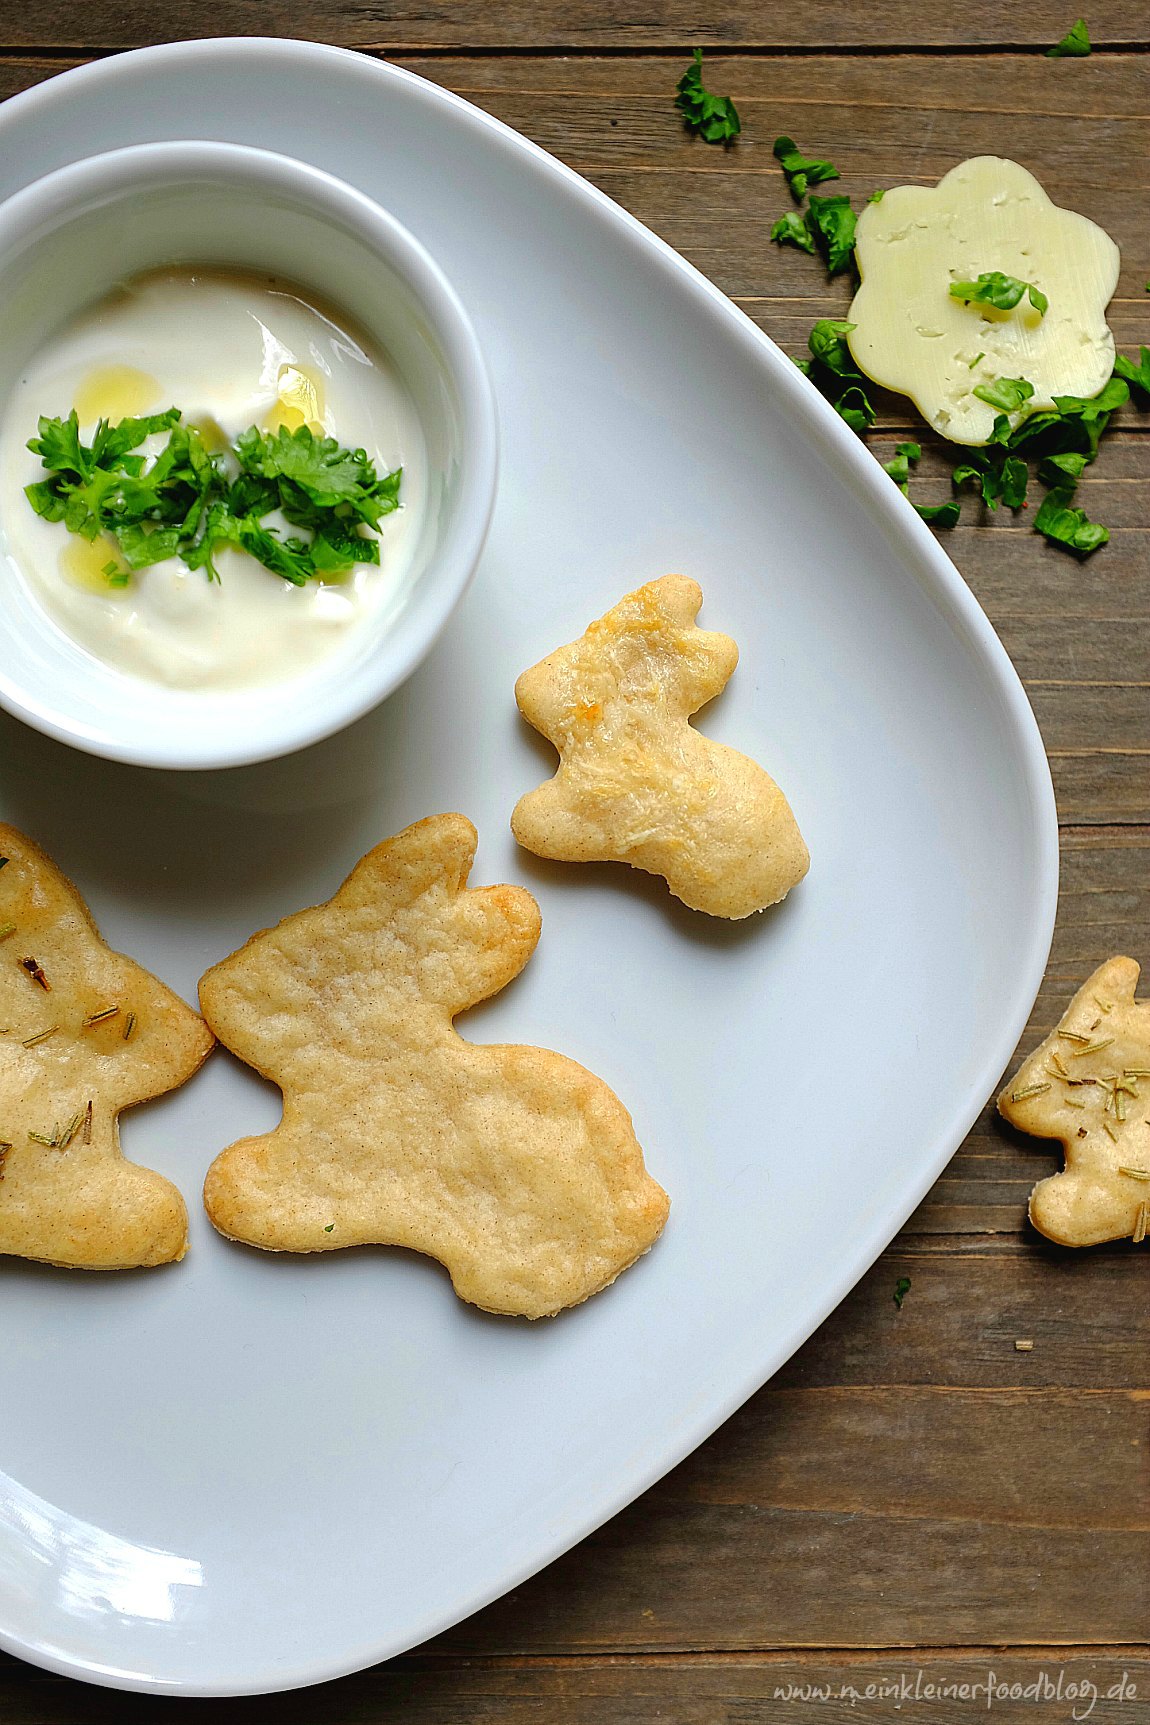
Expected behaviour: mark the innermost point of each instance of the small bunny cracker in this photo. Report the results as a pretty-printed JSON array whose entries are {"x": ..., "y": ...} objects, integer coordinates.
[
  {"x": 636, "y": 782},
  {"x": 84, "y": 1033},
  {"x": 1089, "y": 1085},
  {"x": 514, "y": 1167}
]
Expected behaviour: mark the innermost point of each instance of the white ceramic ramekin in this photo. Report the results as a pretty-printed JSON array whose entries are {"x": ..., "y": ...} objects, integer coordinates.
[{"x": 66, "y": 241}]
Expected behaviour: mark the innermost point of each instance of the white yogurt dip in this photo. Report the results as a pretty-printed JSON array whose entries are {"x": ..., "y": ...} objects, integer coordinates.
[{"x": 230, "y": 351}]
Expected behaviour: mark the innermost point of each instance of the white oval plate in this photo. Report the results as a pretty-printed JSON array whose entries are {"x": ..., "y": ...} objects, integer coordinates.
[{"x": 246, "y": 1473}]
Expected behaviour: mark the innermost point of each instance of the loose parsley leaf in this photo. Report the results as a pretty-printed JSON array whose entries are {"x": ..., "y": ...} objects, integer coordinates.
[
  {"x": 793, "y": 229},
  {"x": 1003, "y": 292},
  {"x": 827, "y": 342},
  {"x": 901, "y": 1290},
  {"x": 1058, "y": 471},
  {"x": 1007, "y": 393},
  {"x": 1058, "y": 521},
  {"x": 286, "y": 557},
  {"x": 142, "y": 548},
  {"x": 1138, "y": 375},
  {"x": 220, "y": 528},
  {"x": 834, "y": 223},
  {"x": 1001, "y": 478},
  {"x": 900, "y": 463},
  {"x": 1113, "y": 394},
  {"x": 46, "y": 500},
  {"x": 877, "y": 197},
  {"x": 855, "y": 407},
  {"x": 1076, "y": 42},
  {"x": 314, "y": 475},
  {"x": 1014, "y": 477},
  {"x": 715, "y": 118},
  {"x": 59, "y": 446},
  {"x": 113, "y": 442},
  {"x": 802, "y": 171},
  {"x": 1074, "y": 422},
  {"x": 935, "y": 514},
  {"x": 831, "y": 366},
  {"x": 940, "y": 514}
]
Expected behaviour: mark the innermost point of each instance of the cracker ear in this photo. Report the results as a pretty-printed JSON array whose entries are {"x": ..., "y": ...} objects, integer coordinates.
[
  {"x": 495, "y": 930},
  {"x": 438, "y": 851},
  {"x": 678, "y": 597},
  {"x": 1118, "y": 977},
  {"x": 709, "y": 658}
]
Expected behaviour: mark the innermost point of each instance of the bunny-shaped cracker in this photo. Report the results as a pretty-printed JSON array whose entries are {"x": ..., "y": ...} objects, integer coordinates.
[
  {"x": 515, "y": 1167},
  {"x": 84, "y": 1033},
  {"x": 1089, "y": 1085},
  {"x": 636, "y": 782}
]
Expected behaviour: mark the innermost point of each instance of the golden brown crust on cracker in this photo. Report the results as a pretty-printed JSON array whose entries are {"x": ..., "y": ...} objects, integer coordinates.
[
  {"x": 514, "y": 1167},
  {"x": 75, "y": 1200},
  {"x": 1088, "y": 1085},
  {"x": 636, "y": 782}
]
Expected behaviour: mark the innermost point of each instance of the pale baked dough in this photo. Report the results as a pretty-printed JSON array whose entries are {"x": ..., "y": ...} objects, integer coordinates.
[
  {"x": 1088, "y": 1085},
  {"x": 514, "y": 1167},
  {"x": 636, "y": 783},
  {"x": 75, "y": 1200}
]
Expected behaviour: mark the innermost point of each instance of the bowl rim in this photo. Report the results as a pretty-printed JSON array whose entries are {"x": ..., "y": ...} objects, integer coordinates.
[{"x": 286, "y": 726}]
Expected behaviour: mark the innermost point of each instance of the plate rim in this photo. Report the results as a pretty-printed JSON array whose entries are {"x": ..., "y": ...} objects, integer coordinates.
[{"x": 868, "y": 480}]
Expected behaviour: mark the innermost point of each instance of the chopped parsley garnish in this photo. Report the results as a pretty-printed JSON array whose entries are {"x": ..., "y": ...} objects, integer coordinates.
[
  {"x": 715, "y": 118},
  {"x": 901, "y": 1290},
  {"x": 997, "y": 475},
  {"x": 1076, "y": 42},
  {"x": 899, "y": 466},
  {"x": 877, "y": 197},
  {"x": 934, "y": 514},
  {"x": 1062, "y": 439},
  {"x": 188, "y": 502},
  {"x": 1003, "y": 292},
  {"x": 793, "y": 229},
  {"x": 802, "y": 171},
  {"x": 1008, "y": 394},
  {"x": 832, "y": 366}
]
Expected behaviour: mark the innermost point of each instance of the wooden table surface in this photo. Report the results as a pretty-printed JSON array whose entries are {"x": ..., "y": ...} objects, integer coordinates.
[{"x": 911, "y": 1498}]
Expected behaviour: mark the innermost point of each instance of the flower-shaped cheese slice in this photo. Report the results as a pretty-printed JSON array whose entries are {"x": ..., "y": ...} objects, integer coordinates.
[{"x": 911, "y": 335}]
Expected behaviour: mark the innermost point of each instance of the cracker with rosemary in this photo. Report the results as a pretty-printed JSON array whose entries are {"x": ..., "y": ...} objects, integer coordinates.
[
  {"x": 1088, "y": 1084},
  {"x": 514, "y": 1167},
  {"x": 84, "y": 1034},
  {"x": 636, "y": 782}
]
